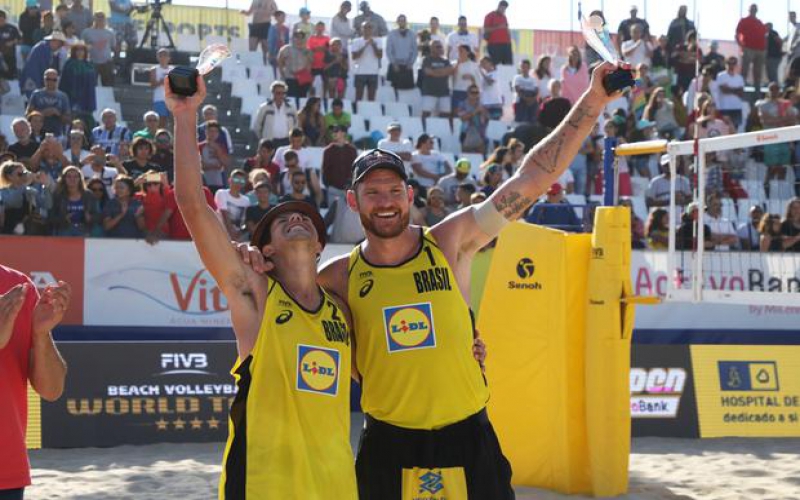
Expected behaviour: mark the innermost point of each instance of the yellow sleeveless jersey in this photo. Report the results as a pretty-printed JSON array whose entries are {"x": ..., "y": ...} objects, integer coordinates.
[
  {"x": 414, "y": 341},
  {"x": 289, "y": 426}
]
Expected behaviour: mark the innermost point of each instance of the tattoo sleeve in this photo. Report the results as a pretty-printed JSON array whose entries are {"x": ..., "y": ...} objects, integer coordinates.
[
  {"x": 556, "y": 151},
  {"x": 512, "y": 204}
]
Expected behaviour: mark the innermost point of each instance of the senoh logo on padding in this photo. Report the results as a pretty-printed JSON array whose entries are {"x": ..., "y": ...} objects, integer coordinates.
[
  {"x": 409, "y": 327},
  {"x": 317, "y": 370},
  {"x": 525, "y": 270}
]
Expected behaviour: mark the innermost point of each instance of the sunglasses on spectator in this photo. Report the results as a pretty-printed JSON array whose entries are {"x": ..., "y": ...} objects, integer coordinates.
[
  {"x": 51, "y": 79},
  {"x": 473, "y": 92}
]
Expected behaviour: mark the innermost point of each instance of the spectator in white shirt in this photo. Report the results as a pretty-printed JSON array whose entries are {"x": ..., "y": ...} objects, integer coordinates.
[
  {"x": 232, "y": 204},
  {"x": 397, "y": 144},
  {"x": 637, "y": 50},
  {"x": 467, "y": 73},
  {"x": 749, "y": 237},
  {"x": 340, "y": 25},
  {"x": 658, "y": 192},
  {"x": 429, "y": 165},
  {"x": 523, "y": 82},
  {"x": 433, "y": 29},
  {"x": 296, "y": 143},
  {"x": 542, "y": 75},
  {"x": 461, "y": 36},
  {"x": 723, "y": 233},
  {"x": 366, "y": 53},
  {"x": 729, "y": 88},
  {"x": 491, "y": 95}
]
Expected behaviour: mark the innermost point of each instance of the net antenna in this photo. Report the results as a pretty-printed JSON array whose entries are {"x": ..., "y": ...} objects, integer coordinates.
[{"x": 728, "y": 277}]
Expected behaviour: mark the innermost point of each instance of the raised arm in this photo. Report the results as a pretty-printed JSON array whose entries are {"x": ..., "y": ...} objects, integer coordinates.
[
  {"x": 239, "y": 284},
  {"x": 540, "y": 168}
]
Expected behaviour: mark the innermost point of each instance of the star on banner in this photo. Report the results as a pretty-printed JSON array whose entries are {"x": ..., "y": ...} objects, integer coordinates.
[
  {"x": 213, "y": 423},
  {"x": 179, "y": 424},
  {"x": 162, "y": 424},
  {"x": 197, "y": 424}
]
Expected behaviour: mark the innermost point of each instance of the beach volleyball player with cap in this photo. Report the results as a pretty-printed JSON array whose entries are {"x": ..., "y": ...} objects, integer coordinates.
[
  {"x": 290, "y": 420},
  {"x": 427, "y": 431}
]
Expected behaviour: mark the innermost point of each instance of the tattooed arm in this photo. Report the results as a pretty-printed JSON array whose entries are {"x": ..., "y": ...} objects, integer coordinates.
[{"x": 540, "y": 168}]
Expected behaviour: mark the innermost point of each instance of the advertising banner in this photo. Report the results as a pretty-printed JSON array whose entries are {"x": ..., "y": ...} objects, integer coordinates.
[
  {"x": 141, "y": 392},
  {"x": 747, "y": 390},
  {"x": 47, "y": 260},
  {"x": 131, "y": 283},
  {"x": 662, "y": 391}
]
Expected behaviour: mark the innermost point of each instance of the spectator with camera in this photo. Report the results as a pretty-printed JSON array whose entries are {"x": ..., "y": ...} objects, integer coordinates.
[
  {"x": 50, "y": 158},
  {"x": 19, "y": 202},
  {"x": 74, "y": 208}
]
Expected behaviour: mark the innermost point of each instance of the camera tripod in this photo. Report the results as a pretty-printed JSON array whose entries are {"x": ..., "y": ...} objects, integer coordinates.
[{"x": 156, "y": 23}]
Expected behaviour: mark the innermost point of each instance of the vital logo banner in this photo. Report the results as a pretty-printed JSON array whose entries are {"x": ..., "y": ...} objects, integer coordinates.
[
  {"x": 662, "y": 391},
  {"x": 747, "y": 390},
  {"x": 141, "y": 392}
]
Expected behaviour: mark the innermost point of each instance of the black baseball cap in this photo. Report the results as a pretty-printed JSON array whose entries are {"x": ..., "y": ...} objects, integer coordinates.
[
  {"x": 377, "y": 158},
  {"x": 261, "y": 235}
]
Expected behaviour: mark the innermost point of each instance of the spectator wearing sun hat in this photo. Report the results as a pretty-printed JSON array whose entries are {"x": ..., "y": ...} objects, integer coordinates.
[{"x": 449, "y": 183}]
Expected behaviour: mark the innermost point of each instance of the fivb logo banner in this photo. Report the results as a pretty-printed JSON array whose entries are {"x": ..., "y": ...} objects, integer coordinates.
[{"x": 131, "y": 283}]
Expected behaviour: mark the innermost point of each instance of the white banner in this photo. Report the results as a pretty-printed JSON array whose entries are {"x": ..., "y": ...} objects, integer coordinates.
[
  {"x": 130, "y": 283},
  {"x": 737, "y": 271}
]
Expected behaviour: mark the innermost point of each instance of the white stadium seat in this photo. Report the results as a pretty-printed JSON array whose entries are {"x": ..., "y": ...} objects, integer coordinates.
[
  {"x": 755, "y": 190},
  {"x": 412, "y": 127},
  {"x": 413, "y": 98},
  {"x": 495, "y": 131},
  {"x": 385, "y": 94},
  {"x": 780, "y": 190},
  {"x": 5, "y": 125},
  {"x": 243, "y": 86},
  {"x": 232, "y": 70},
  {"x": 315, "y": 157},
  {"x": 729, "y": 210},
  {"x": 380, "y": 123},
  {"x": 369, "y": 109},
  {"x": 397, "y": 110},
  {"x": 251, "y": 58},
  {"x": 358, "y": 129}
]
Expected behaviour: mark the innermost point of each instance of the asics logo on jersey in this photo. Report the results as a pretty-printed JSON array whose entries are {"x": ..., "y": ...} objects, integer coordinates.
[
  {"x": 283, "y": 317},
  {"x": 317, "y": 370},
  {"x": 431, "y": 482},
  {"x": 409, "y": 327},
  {"x": 366, "y": 288}
]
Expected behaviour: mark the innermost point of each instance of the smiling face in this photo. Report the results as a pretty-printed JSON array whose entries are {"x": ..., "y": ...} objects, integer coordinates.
[
  {"x": 290, "y": 228},
  {"x": 383, "y": 202}
]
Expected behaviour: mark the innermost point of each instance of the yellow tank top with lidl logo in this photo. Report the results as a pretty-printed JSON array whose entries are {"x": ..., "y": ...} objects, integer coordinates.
[
  {"x": 414, "y": 341},
  {"x": 289, "y": 427}
]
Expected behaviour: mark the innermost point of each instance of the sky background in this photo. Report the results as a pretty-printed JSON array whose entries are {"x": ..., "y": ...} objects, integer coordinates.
[{"x": 717, "y": 18}]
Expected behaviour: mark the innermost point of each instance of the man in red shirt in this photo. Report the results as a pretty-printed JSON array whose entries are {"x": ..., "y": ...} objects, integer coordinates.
[
  {"x": 177, "y": 229},
  {"x": 751, "y": 34},
  {"x": 497, "y": 35},
  {"x": 27, "y": 353}
]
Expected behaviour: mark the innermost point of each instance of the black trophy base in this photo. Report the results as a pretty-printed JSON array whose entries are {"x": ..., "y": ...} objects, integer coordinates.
[
  {"x": 620, "y": 79},
  {"x": 183, "y": 80}
]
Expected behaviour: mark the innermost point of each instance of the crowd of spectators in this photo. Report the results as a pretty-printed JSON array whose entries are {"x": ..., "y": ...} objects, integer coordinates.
[{"x": 66, "y": 175}]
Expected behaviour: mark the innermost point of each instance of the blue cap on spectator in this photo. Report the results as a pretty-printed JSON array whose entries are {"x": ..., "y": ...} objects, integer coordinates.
[
  {"x": 304, "y": 11},
  {"x": 31, "y": 3}
]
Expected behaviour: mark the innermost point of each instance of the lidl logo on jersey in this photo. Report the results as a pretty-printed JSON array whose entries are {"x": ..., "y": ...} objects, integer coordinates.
[
  {"x": 409, "y": 327},
  {"x": 317, "y": 370},
  {"x": 748, "y": 375}
]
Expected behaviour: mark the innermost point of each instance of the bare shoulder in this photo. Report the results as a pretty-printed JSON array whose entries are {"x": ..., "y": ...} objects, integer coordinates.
[{"x": 333, "y": 275}]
